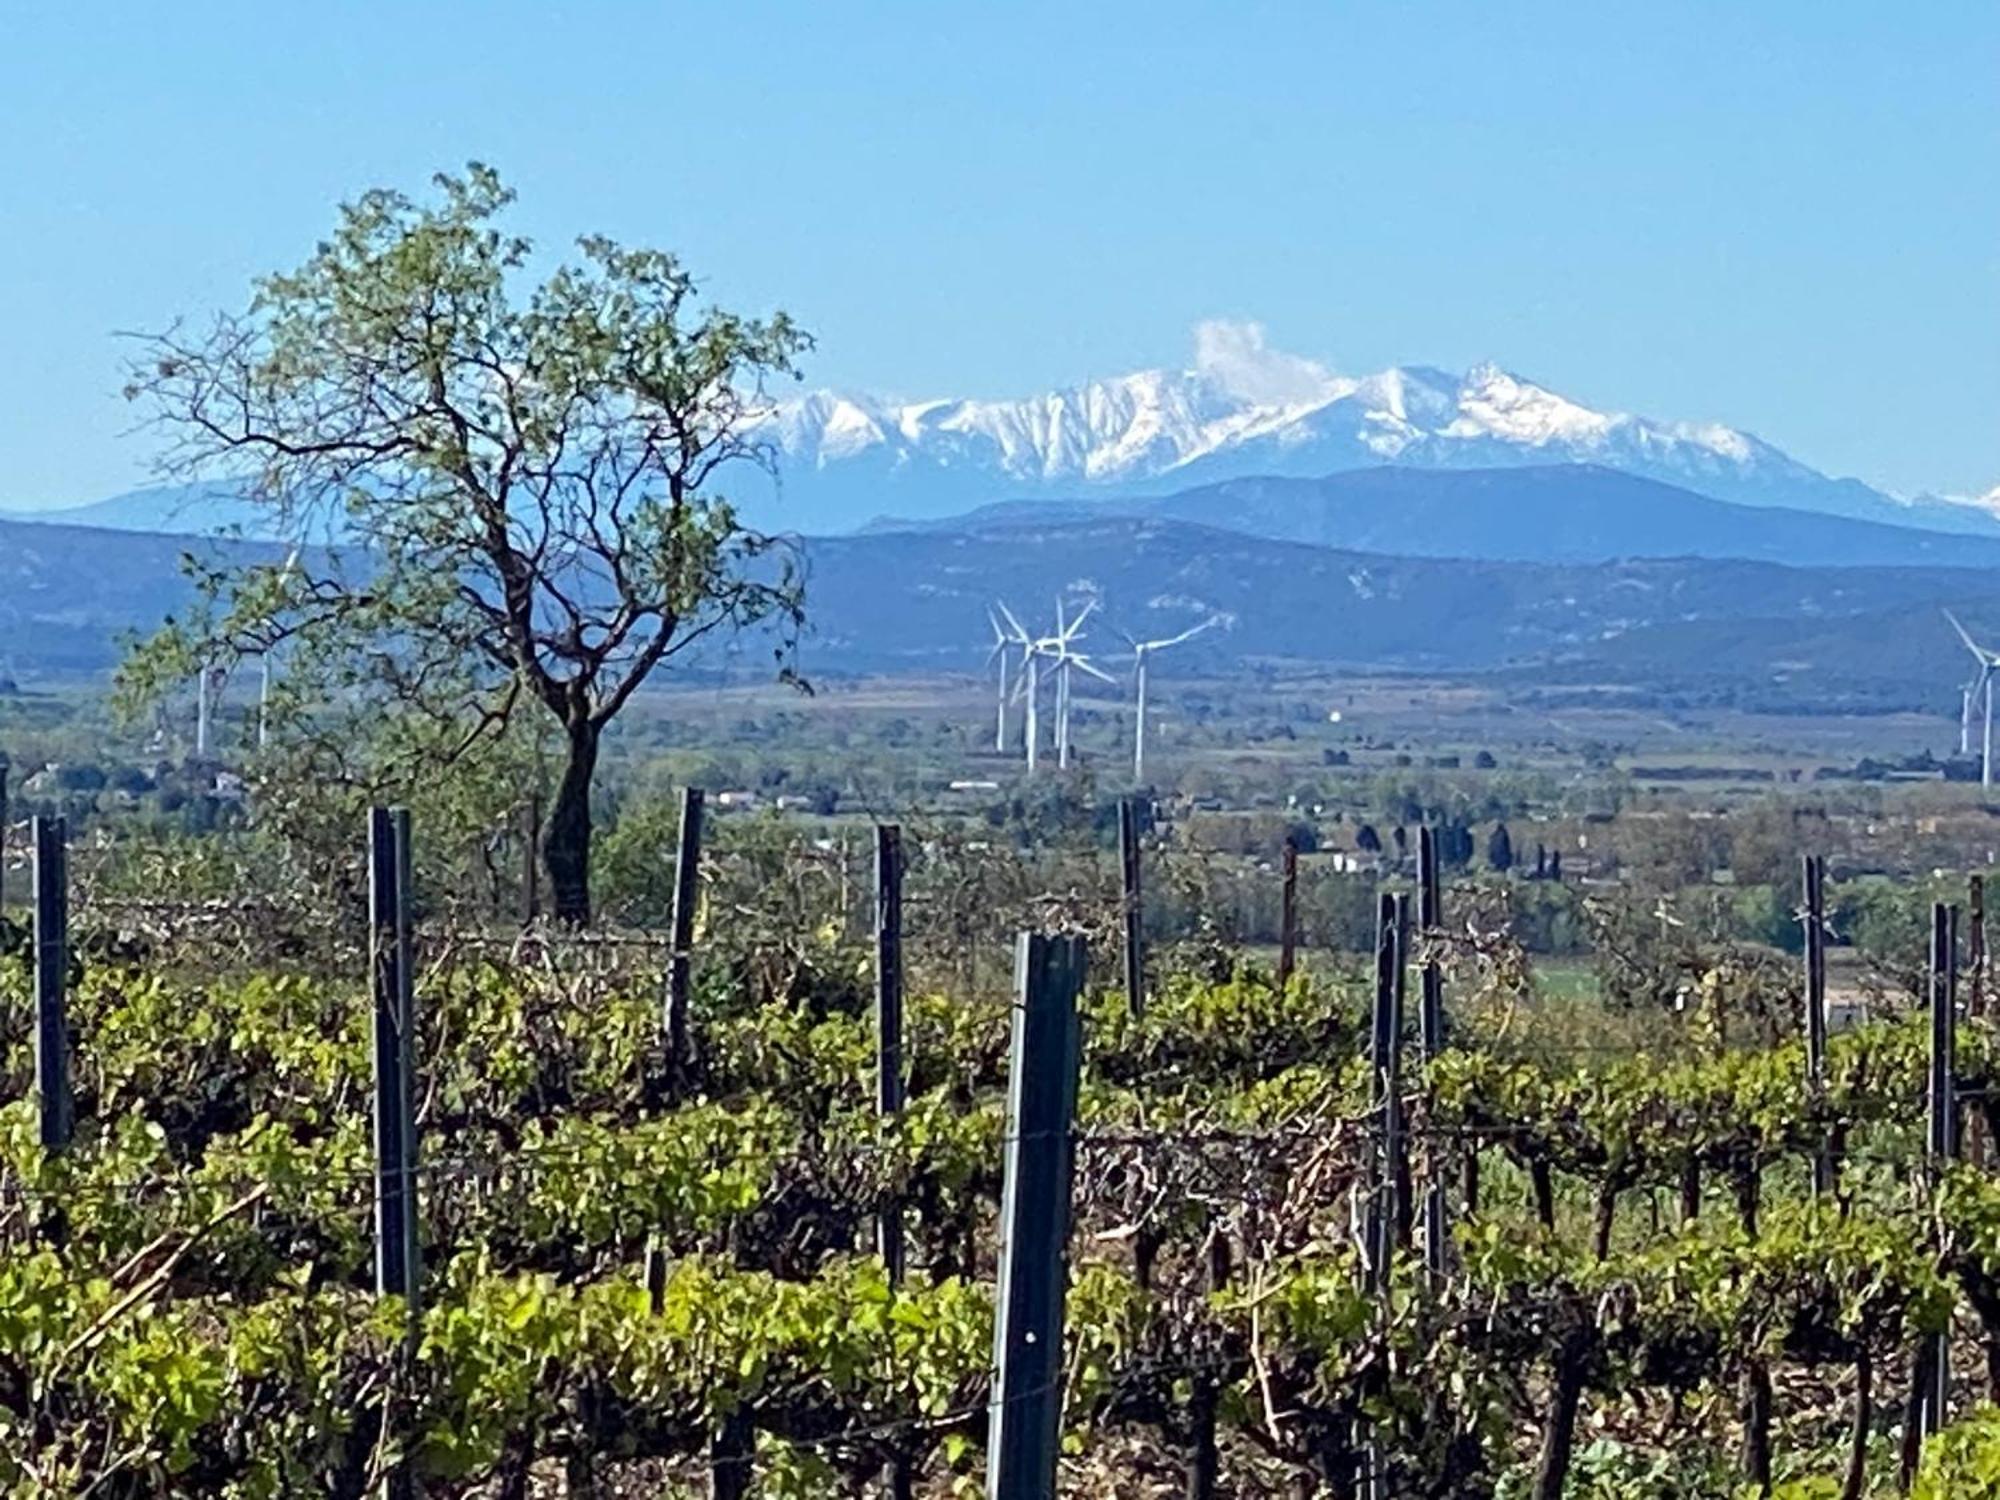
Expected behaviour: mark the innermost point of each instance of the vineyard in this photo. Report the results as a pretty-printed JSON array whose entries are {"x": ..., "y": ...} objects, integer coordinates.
[{"x": 404, "y": 1207}]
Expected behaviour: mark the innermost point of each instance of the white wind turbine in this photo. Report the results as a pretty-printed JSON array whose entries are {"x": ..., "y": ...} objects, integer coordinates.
[
  {"x": 1981, "y": 687},
  {"x": 264, "y": 663},
  {"x": 1001, "y": 641},
  {"x": 1068, "y": 662},
  {"x": 1142, "y": 651},
  {"x": 1028, "y": 686},
  {"x": 205, "y": 686},
  {"x": 1056, "y": 649}
]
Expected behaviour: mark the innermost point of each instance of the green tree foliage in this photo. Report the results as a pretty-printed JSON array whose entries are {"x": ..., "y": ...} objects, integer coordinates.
[{"x": 523, "y": 483}]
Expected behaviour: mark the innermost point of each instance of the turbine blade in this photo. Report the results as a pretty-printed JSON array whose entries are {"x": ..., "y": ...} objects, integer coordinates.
[
  {"x": 1082, "y": 664},
  {"x": 1012, "y": 623},
  {"x": 1966, "y": 636}
]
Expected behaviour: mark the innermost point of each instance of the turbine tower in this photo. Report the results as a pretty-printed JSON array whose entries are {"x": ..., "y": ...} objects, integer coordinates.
[
  {"x": 1142, "y": 651},
  {"x": 1063, "y": 661},
  {"x": 1028, "y": 686},
  {"x": 203, "y": 683},
  {"x": 1980, "y": 687},
  {"x": 264, "y": 664},
  {"x": 998, "y": 657},
  {"x": 1068, "y": 662}
]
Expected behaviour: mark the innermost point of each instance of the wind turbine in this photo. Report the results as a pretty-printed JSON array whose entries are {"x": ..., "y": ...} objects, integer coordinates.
[
  {"x": 1001, "y": 641},
  {"x": 1027, "y": 686},
  {"x": 1142, "y": 651},
  {"x": 1067, "y": 662},
  {"x": 264, "y": 663},
  {"x": 1981, "y": 687},
  {"x": 203, "y": 683},
  {"x": 1064, "y": 661}
]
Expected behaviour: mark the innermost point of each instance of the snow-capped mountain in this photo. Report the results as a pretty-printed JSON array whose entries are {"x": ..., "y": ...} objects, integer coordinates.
[{"x": 1244, "y": 408}]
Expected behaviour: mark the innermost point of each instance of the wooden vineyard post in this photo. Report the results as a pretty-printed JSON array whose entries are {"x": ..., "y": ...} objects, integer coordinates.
[
  {"x": 531, "y": 859},
  {"x": 1941, "y": 1136},
  {"x": 680, "y": 959},
  {"x": 1976, "y": 1144},
  {"x": 1288, "y": 914},
  {"x": 1975, "y": 934},
  {"x": 1385, "y": 1059},
  {"x": 1134, "y": 910},
  {"x": 52, "y": 1084},
  {"x": 393, "y": 1036},
  {"x": 889, "y": 1017},
  {"x": 398, "y": 1270},
  {"x": 5, "y": 766},
  {"x": 1384, "y": 1056},
  {"x": 1044, "y": 1057},
  {"x": 1397, "y": 1136},
  {"x": 1430, "y": 1034},
  {"x": 889, "y": 1071},
  {"x": 1813, "y": 871}
]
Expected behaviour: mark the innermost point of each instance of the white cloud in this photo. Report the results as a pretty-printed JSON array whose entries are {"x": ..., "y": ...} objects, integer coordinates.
[{"x": 1238, "y": 358}]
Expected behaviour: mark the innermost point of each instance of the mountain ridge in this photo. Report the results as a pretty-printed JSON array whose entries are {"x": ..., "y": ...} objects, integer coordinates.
[
  {"x": 1537, "y": 513},
  {"x": 916, "y": 602},
  {"x": 1244, "y": 408}
]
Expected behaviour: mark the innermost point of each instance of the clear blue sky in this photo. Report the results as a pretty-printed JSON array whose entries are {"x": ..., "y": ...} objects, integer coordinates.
[{"x": 1780, "y": 214}]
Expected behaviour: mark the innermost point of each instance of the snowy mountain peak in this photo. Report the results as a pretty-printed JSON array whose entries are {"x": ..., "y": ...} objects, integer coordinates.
[{"x": 1244, "y": 407}]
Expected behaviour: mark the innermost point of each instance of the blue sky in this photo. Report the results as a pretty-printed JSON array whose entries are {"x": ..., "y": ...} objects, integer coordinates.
[{"x": 1781, "y": 215}]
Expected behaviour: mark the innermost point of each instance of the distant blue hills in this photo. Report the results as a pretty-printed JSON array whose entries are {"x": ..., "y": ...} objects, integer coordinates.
[
  {"x": 1584, "y": 573},
  {"x": 1559, "y": 513}
]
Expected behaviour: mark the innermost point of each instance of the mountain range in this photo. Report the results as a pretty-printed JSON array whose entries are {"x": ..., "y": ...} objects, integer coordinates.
[
  {"x": 1244, "y": 409},
  {"x": 915, "y": 601},
  {"x": 1410, "y": 519},
  {"x": 1559, "y": 513},
  {"x": 1241, "y": 410}
]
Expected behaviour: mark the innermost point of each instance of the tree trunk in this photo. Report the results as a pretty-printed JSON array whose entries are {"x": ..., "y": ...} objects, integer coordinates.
[
  {"x": 566, "y": 849},
  {"x": 1913, "y": 1413},
  {"x": 1543, "y": 1179},
  {"x": 1757, "y": 1426},
  {"x": 1690, "y": 1191},
  {"x": 1607, "y": 1219},
  {"x": 1565, "y": 1395},
  {"x": 1864, "y": 1418},
  {"x": 1749, "y": 1193},
  {"x": 1202, "y": 1464},
  {"x": 732, "y": 1451}
]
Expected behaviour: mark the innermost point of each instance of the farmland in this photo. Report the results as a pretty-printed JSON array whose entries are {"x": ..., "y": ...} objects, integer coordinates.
[{"x": 652, "y": 1266}]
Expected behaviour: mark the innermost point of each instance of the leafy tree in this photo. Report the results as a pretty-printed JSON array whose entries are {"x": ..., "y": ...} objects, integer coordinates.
[
  {"x": 1454, "y": 844},
  {"x": 1500, "y": 849},
  {"x": 1367, "y": 840},
  {"x": 524, "y": 477}
]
